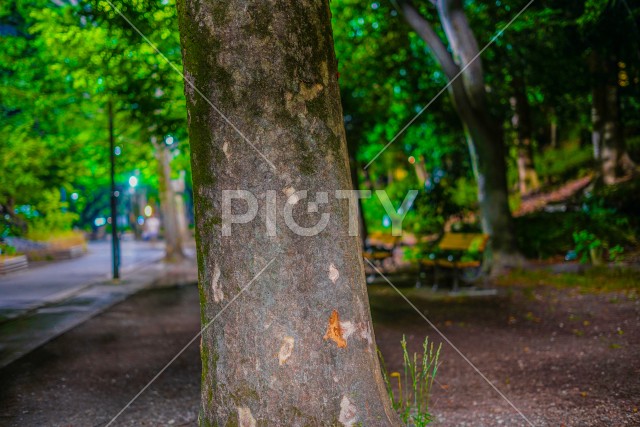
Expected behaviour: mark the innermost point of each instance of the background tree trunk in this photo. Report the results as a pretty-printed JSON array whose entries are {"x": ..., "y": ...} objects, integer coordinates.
[
  {"x": 608, "y": 142},
  {"x": 421, "y": 170},
  {"x": 174, "y": 250},
  {"x": 484, "y": 134},
  {"x": 527, "y": 176},
  {"x": 298, "y": 347},
  {"x": 553, "y": 128}
]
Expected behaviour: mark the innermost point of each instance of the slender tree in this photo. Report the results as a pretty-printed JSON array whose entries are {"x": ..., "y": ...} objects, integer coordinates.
[
  {"x": 609, "y": 58},
  {"x": 173, "y": 236},
  {"x": 484, "y": 132},
  {"x": 297, "y": 348},
  {"x": 522, "y": 122},
  {"x": 607, "y": 136}
]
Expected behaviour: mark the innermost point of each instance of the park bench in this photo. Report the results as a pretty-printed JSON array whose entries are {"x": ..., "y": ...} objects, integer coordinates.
[
  {"x": 380, "y": 253},
  {"x": 460, "y": 253},
  {"x": 379, "y": 248}
]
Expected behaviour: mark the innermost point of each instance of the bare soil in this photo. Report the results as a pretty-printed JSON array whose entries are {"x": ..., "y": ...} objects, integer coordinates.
[{"x": 560, "y": 357}]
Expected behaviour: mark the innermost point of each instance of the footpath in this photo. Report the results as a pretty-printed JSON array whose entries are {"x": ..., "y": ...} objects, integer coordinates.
[{"x": 39, "y": 305}]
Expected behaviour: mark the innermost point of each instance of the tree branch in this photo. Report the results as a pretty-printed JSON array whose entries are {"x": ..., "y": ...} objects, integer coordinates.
[
  {"x": 465, "y": 48},
  {"x": 426, "y": 32}
]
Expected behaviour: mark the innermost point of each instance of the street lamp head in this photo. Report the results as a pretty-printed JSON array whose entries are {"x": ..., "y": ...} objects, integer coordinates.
[
  {"x": 133, "y": 181},
  {"x": 169, "y": 140}
]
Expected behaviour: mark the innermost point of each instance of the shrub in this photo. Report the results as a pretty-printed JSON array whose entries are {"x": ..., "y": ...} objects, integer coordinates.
[
  {"x": 6, "y": 249},
  {"x": 598, "y": 223},
  {"x": 53, "y": 218}
]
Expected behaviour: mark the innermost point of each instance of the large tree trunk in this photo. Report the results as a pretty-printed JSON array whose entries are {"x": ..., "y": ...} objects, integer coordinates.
[
  {"x": 174, "y": 250},
  {"x": 609, "y": 147},
  {"x": 363, "y": 231},
  {"x": 485, "y": 136},
  {"x": 298, "y": 347},
  {"x": 527, "y": 176}
]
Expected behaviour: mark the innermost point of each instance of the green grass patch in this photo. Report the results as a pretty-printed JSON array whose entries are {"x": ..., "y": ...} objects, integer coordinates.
[{"x": 597, "y": 279}]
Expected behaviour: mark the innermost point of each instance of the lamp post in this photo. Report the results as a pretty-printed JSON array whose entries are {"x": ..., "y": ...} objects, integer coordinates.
[
  {"x": 115, "y": 243},
  {"x": 133, "y": 206}
]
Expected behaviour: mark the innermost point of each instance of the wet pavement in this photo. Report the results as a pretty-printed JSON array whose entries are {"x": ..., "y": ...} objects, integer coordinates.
[
  {"x": 55, "y": 298},
  {"x": 49, "y": 282}
]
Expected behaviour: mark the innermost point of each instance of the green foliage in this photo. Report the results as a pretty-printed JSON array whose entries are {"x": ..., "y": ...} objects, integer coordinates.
[
  {"x": 598, "y": 224},
  {"x": 556, "y": 165},
  {"x": 6, "y": 249},
  {"x": 60, "y": 64},
  {"x": 51, "y": 218},
  {"x": 615, "y": 253},
  {"x": 588, "y": 246},
  {"x": 412, "y": 401}
]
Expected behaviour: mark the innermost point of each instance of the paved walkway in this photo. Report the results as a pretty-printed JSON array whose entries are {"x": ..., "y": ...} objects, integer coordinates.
[
  {"x": 40, "y": 304},
  {"x": 45, "y": 283}
]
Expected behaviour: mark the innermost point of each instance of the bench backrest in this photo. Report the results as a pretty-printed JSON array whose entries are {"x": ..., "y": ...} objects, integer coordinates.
[{"x": 463, "y": 242}]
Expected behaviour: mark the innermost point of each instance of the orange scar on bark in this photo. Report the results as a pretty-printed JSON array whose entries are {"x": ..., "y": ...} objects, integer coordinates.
[{"x": 334, "y": 331}]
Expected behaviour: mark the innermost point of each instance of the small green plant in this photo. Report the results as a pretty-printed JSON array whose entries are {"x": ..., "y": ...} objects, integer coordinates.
[
  {"x": 588, "y": 247},
  {"x": 615, "y": 253},
  {"x": 412, "y": 401}
]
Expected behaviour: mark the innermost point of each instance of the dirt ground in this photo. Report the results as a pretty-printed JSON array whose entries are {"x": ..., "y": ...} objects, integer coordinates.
[{"x": 561, "y": 357}]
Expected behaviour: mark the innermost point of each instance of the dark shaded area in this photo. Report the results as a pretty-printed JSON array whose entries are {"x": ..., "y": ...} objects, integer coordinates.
[
  {"x": 563, "y": 358},
  {"x": 87, "y": 375}
]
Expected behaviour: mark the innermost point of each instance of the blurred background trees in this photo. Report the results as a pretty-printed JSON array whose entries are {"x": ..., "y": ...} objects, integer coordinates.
[{"x": 558, "y": 101}]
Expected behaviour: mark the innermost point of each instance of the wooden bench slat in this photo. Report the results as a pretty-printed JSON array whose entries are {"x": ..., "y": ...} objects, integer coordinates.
[{"x": 462, "y": 241}]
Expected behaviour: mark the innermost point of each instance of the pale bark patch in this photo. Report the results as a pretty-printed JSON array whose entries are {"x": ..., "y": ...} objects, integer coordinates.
[
  {"x": 297, "y": 103},
  {"x": 225, "y": 149},
  {"x": 347, "y": 329},
  {"x": 245, "y": 419},
  {"x": 334, "y": 274},
  {"x": 361, "y": 330},
  {"x": 324, "y": 67},
  {"x": 365, "y": 333},
  {"x": 309, "y": 92},
  {"x": 348, "y": 414},
  {"x": 286, "y": 349},
  {"x": 292, "y": 197},
  {"x": 218, "y": 295}
]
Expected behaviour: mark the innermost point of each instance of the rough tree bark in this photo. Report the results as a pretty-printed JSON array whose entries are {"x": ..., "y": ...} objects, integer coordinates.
[
  {"x": 609, "y": 147},
  {"x": 355, "y": 180},
  {"x": 484, "y": 133},
  {"x": 297, "y": 348},
  {"x": 521, "y": 120},
  {"x": 363, "y": 230},
  {"x": 174, "y": 250}
]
